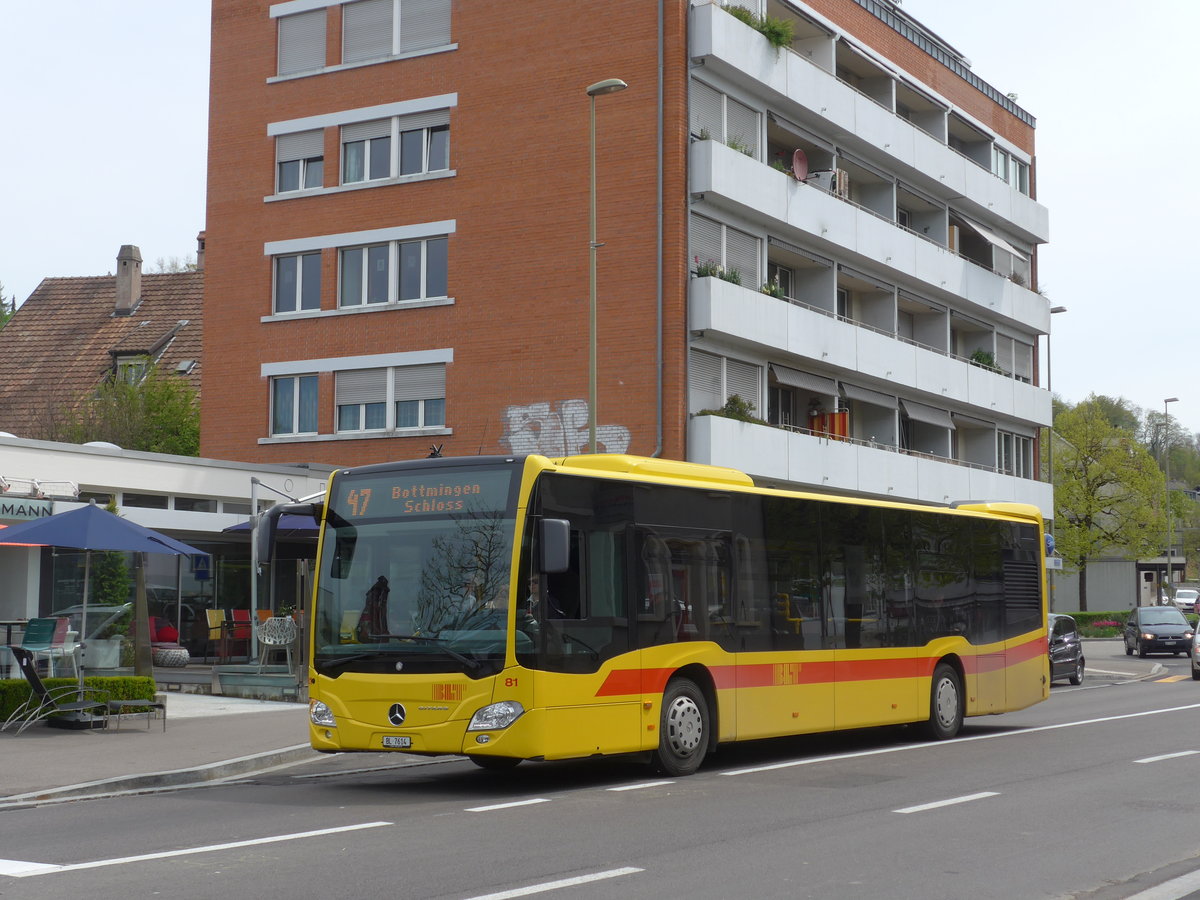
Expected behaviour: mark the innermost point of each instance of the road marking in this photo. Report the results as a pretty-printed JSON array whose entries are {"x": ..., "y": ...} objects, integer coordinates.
[
  {"x": 20, "y": 869},
  {"x": 879, "y": 751},
  {"x": 1183, "y": 886},
  {"x": 638, "y": 787},
  {"x": 951, "y": 802},
  {"x": 1150, "y": 759},
  {"x": 507, "y": 805},
  {"x": 555, "y": 885},
  {"x": 1170, "y": 679}
]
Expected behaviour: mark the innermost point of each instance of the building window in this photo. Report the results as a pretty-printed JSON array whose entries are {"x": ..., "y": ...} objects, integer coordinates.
[
  {"x": 714, "y": 243},
  {"x": 422, "y": 142},
  {"x": 144, "y": 501},
  {"x": 1014, "y": 454},
  {"x": 302, "y": 42},
  {"x": 370, "y": 32},
  {"x": 300, "y": 161},
  {"x": 366, "y": 272},
  {"x": 367, "y": 151},
  {"x": 196, "y": 504},
  {"x": 132, "y": 369},
  {"x": 781, "y": 276},
  {"x": 391, "y": 399},
  {"x": 781, "y": 405},
  {"x": 719, "y": 117},
  {"x": 297, "y": 282},
  {"x": 294, "y": 404},
  {"x": 425, "y": 150},
  {"x": 422, "y": 267},
  {"x": 713, "y": 379}
]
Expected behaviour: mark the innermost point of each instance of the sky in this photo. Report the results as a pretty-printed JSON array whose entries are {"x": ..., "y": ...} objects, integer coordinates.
[{"x": 105, "y": 140}]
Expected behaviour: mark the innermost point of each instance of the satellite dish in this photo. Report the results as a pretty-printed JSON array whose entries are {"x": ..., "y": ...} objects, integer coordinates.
[{"x": 800, "y": 164}]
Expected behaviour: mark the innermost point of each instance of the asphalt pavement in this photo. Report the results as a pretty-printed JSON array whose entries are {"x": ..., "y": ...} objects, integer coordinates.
[{"x": 215, "y": 738}]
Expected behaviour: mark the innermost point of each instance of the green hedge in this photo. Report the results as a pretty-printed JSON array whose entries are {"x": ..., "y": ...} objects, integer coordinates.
[
  {"x": 1088, "y": 627},
  {"x": 15, "y": 691}
]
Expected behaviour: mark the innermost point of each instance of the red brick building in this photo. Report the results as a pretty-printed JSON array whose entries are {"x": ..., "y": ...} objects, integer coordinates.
[{"x": 397, "y": 240}]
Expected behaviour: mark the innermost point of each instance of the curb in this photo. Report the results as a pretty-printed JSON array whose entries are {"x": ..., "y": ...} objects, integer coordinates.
[{"x": 174, "y": 778}]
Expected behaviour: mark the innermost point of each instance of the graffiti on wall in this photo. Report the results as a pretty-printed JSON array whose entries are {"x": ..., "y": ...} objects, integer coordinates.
[{"x": 561, "y": 431}]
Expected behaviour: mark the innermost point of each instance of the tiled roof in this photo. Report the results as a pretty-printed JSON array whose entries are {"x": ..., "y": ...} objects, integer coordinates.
[{"x": 60, "y": 343}]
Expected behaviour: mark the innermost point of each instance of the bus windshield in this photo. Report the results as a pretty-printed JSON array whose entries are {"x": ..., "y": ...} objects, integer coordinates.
[{"x": 414, "y": 570}]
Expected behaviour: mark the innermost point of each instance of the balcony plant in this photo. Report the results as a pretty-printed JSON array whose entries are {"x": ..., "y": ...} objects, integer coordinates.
[
  {"x": 713, "y": 269},
  {"x": 778, "y": 32},
  {"x": 985, "y": 359},
  {"x": 735, "y": 407}
]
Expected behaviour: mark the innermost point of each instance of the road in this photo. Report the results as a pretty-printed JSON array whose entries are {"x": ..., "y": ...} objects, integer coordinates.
[{"x": 1088, "y": 795}]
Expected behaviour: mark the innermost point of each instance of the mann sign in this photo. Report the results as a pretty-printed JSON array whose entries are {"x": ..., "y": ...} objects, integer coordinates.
[{"x": 22, "y": 509}]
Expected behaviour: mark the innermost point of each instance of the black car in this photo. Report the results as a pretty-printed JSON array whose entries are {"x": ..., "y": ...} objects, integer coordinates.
[
  {"x": 1157, "y": 629},
  {"x": 1066, "y": 650}
]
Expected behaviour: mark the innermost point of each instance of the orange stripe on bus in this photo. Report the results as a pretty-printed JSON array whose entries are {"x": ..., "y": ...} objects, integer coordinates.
[{"x": 652, "y": 681}]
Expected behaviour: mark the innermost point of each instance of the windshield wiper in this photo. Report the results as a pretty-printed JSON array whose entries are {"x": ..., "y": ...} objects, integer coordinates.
[{"x": 441, "y": 642}]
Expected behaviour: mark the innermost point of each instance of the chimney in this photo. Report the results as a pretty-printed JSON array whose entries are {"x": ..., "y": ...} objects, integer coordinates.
[
  {"x": 200, "y": 252},
  {"x": 129, "y": 279}
]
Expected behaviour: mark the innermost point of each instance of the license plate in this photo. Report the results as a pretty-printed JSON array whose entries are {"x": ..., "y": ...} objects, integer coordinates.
[
  {"x": 1169, "y": 643},
  {"x": 397, "y": 741}
]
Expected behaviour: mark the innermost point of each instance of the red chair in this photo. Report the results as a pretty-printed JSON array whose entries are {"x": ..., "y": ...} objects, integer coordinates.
[{"x": 239, "y": 630}]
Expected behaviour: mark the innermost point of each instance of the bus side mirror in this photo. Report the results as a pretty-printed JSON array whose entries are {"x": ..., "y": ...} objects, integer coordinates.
[
  {"x": 265, "y": 524},
  {"x": 554, "y": 542}
]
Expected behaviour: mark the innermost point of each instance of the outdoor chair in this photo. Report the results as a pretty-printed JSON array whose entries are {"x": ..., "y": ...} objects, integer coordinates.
[
  {"x": 62, "y": 648},
  {"x": 274, "y": 633},
  {"x": 44, "y": 702}
]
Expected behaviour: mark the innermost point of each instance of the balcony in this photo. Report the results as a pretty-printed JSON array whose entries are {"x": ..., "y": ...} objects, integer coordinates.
[
  {"x": 827, "y": 223},
  {"x": 795, "y": 86},
  {"x": 787, "y": 333},
  {"x": 775, "y": 456}
]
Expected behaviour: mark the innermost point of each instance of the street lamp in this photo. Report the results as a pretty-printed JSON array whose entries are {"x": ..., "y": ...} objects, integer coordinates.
[
  {"x": 608, "y": 86},
  {"x": 1167, "y": 484}
]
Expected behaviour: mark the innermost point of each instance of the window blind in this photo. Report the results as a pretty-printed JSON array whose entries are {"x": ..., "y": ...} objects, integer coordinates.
[
  {"x": 706, "y": 112},
  {"x": 743, "y": 379},
  {"x": 704, "y": 381},
  {"x": 301, "y": 145},
  {"x": 366, "y": 30},
  {"x": 361, "y": 386},
  {"x": 302, "y": 42},
  {"x": 362, "y": 131},
  {"x": 705, "y": 241},
  {"x": 424, "y": 24},
  {"x": 742, "y": 253},
  {"x": 741, "y": 125},
  {"x": 419, "y": 382}
]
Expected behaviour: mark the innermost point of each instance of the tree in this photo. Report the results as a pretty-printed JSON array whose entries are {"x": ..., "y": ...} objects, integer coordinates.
[
  {"x": 158, "y": 414},
  {"x": 172, "y": 265},
  {"x": 1108, "y": 491},
  {"x": 8, "y": 306}
]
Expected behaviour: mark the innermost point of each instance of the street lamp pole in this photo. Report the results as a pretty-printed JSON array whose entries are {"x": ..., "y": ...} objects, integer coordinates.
[
  {"x": 608, "y": 86},
  {"x": 1167, "y": 486}
]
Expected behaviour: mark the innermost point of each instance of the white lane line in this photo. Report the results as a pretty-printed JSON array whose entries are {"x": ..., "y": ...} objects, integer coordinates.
[
  {"x": 556, "y": 885},
  {"x": 751, "y": 770},
  {"x": 1150, "y": 759},
  {"x": 1183, "y": 886},
  {"x": 951, "y": 802},
  {"x": 507, "y": 805},
  {"x": 26, "y": 869},
  {"x": 638, "y": 787}
]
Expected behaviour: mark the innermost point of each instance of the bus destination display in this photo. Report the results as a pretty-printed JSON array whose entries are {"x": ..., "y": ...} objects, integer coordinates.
[{"x": 401, "y": 494}]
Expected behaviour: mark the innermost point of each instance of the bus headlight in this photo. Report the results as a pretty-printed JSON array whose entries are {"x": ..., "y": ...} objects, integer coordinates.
[
  {"x": 496, "y": 716},
  {"x": 320, "y": 714}
]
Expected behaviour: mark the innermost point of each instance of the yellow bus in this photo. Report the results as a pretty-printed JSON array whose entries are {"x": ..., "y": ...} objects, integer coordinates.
[{"x": 526, "y": 608}]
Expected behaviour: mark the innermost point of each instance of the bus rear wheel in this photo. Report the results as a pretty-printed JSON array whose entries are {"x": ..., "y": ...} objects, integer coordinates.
[
  {"x": 495, "y": 763},
  {"x": 945, "y": 703},
  {"x": 682, "y": 729}
]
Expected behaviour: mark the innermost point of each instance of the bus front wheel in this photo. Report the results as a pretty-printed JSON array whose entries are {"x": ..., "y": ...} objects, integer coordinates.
[
  {"x": 683, "y": 729},
  {"x": 945, "y": 703}
]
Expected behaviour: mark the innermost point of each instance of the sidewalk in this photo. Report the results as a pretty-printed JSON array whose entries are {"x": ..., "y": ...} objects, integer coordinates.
[{"x": 207, "y": 738}]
